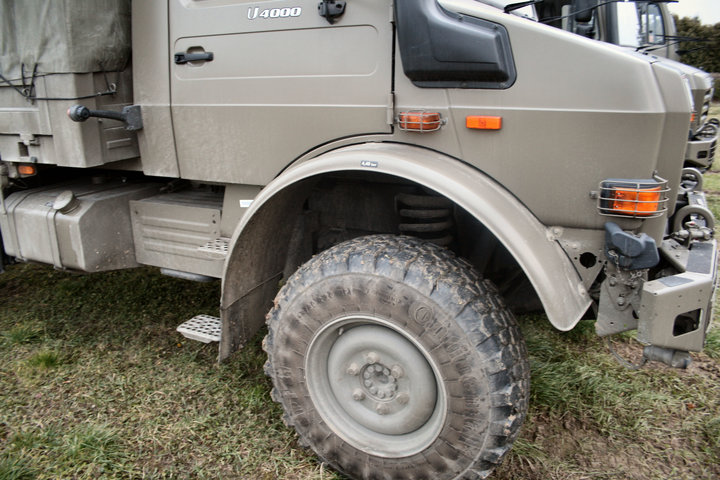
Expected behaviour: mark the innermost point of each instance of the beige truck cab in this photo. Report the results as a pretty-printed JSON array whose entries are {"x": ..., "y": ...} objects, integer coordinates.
[{"x": 411, "y": 173}]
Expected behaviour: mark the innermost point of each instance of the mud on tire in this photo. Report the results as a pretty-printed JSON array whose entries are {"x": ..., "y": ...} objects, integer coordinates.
[{"x": 393, "y": 359}]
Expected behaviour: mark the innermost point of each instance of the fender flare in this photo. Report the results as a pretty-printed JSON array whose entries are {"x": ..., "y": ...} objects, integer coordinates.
[{"x": 253, "y": 267}]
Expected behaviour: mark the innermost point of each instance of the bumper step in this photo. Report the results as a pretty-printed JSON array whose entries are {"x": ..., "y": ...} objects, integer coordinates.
[{"x": 202, "y": 328}]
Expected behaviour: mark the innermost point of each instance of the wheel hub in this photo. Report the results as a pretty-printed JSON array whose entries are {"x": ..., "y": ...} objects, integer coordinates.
[
  {"x": 378, "y": 383},
  {"x": 375, "y": 386},
  {"x": 369, "y": 365}
]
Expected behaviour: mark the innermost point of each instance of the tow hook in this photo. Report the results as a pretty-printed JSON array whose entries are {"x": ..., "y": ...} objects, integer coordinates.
[{"x": 692, "y": 231}]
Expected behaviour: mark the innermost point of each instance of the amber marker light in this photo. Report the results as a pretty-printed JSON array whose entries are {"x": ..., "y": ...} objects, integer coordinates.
[
  {"x": 26, "y": 170},
  {"x": 639, "y": 202},
  {"x": 419, "y": 121},
  {"x": 483, "y": 122},
  {"x": 641, "y": 199}
]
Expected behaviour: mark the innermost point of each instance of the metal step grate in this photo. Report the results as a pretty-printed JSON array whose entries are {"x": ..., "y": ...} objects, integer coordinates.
[
  {"x": 202, "y": 328},
  {"x": 217, "y": 247}
]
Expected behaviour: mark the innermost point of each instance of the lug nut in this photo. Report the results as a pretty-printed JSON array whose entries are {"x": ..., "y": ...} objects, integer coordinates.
[
  {"x": 373, "y": 390},
  {"x": 372, "y": 358},
  {"x": 353, "y": 369},
  {"x": 382, "y": 408},
  {"x": 397, "y": 371},
  {"x": 367, "y": 383},
  {"x": 403, "y": 398},
  {"x": 358, "y": 395}
]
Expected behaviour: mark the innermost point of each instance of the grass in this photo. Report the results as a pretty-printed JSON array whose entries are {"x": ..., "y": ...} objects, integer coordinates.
[
  {"x": 96, "y": 384},
  {"x": 46, "y": 359},
  {"x": 592, "y": 418}
]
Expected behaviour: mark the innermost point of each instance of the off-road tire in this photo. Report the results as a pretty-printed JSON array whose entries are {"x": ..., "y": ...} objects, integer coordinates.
[{"x": 387, "y": 293}]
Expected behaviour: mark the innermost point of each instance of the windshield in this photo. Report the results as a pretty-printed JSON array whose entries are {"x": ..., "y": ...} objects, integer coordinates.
[
  {"x": 640, "y": 24},
  {"x": 628, "y": 25}
]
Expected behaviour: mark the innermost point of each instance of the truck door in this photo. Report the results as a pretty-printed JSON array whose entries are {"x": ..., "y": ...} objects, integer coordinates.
[{"x": 255, "y": 84}]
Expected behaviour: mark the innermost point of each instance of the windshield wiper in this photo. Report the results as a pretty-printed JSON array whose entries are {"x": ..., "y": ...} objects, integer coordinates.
[{"x": 671, "y": 40}]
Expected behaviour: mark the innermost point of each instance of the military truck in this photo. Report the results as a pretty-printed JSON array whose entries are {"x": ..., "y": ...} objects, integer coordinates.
[
  {"x": 409, "y": 172},
  {"x": 647, "y": 27}
]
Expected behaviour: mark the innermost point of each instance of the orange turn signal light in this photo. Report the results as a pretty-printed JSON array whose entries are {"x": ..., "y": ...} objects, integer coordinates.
[
  {"x": 634, "y": 198},
  {"x": 483, "y": 122},
  {"x": 419, "y": 121},
  {"x": 642, "y": 203},
  {"x": 26, "y": 170}
]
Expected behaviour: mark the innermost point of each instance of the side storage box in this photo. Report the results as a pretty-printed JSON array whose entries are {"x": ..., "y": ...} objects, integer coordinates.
[
  {"x": 41, "y": 132},
  {"x": 82, "y": 226},
  {"x": 180, "y": 231}
]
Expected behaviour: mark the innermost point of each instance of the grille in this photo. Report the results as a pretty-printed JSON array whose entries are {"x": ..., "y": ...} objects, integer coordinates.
[{"x": 706, "y": 106}]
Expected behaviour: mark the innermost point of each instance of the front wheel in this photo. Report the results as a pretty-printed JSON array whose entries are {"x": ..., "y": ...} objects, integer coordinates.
[{"x": 393, "y": 359}]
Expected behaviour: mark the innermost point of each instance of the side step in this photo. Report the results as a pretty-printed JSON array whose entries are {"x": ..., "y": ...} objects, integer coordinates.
[
  {"x": 202, "y": 328},
  {"x": 217, "y": 247}
]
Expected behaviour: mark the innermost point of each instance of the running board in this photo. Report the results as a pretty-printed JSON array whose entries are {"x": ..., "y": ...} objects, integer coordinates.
[{"x": 202, "y": 328}]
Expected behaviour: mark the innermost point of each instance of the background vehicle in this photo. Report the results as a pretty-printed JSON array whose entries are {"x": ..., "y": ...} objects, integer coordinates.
[
  {"x": 403, "y": 168},
  {"x": 647, "y": 27}
]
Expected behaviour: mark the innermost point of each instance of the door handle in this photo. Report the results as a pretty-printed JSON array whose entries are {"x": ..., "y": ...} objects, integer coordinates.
[{"x": 182, "y": 57}]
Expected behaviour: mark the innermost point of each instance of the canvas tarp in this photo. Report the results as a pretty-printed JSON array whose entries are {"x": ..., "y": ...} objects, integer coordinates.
[{"x": 63, "y": 36}]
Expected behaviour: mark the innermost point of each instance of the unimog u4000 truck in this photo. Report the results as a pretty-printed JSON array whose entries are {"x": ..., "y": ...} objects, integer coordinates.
[{"x": 410, "y": 171}]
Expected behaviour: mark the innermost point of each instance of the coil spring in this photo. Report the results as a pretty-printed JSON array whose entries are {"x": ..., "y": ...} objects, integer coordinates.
[{"x": 427, "y": 217}]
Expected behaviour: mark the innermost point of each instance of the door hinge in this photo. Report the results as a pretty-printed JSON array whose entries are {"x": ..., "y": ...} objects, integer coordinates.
[{"x": 391, "y": 109}]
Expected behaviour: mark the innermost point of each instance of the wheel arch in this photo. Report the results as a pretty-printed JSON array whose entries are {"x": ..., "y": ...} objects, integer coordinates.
[{"x": 260, "y": 244}]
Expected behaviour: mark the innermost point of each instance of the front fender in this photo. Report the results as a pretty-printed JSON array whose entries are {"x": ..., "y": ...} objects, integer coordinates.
[{"x": 259, "y": 244}]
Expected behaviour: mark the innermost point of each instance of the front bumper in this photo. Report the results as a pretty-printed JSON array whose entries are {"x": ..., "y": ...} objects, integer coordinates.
[
  {"x": 700, "y": 151},
  {"x": 669, "y": 302},
  {"x": 676, "y": 311}
]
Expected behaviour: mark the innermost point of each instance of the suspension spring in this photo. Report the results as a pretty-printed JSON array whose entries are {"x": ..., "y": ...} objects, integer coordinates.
[{"x": 427, "y": 217}]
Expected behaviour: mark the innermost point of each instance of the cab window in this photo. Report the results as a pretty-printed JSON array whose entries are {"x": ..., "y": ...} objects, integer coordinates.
[{"x": 652, "y": 25}]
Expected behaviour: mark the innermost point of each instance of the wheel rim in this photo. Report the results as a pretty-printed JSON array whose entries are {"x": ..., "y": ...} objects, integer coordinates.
[{"x": 375, "y": 387}]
